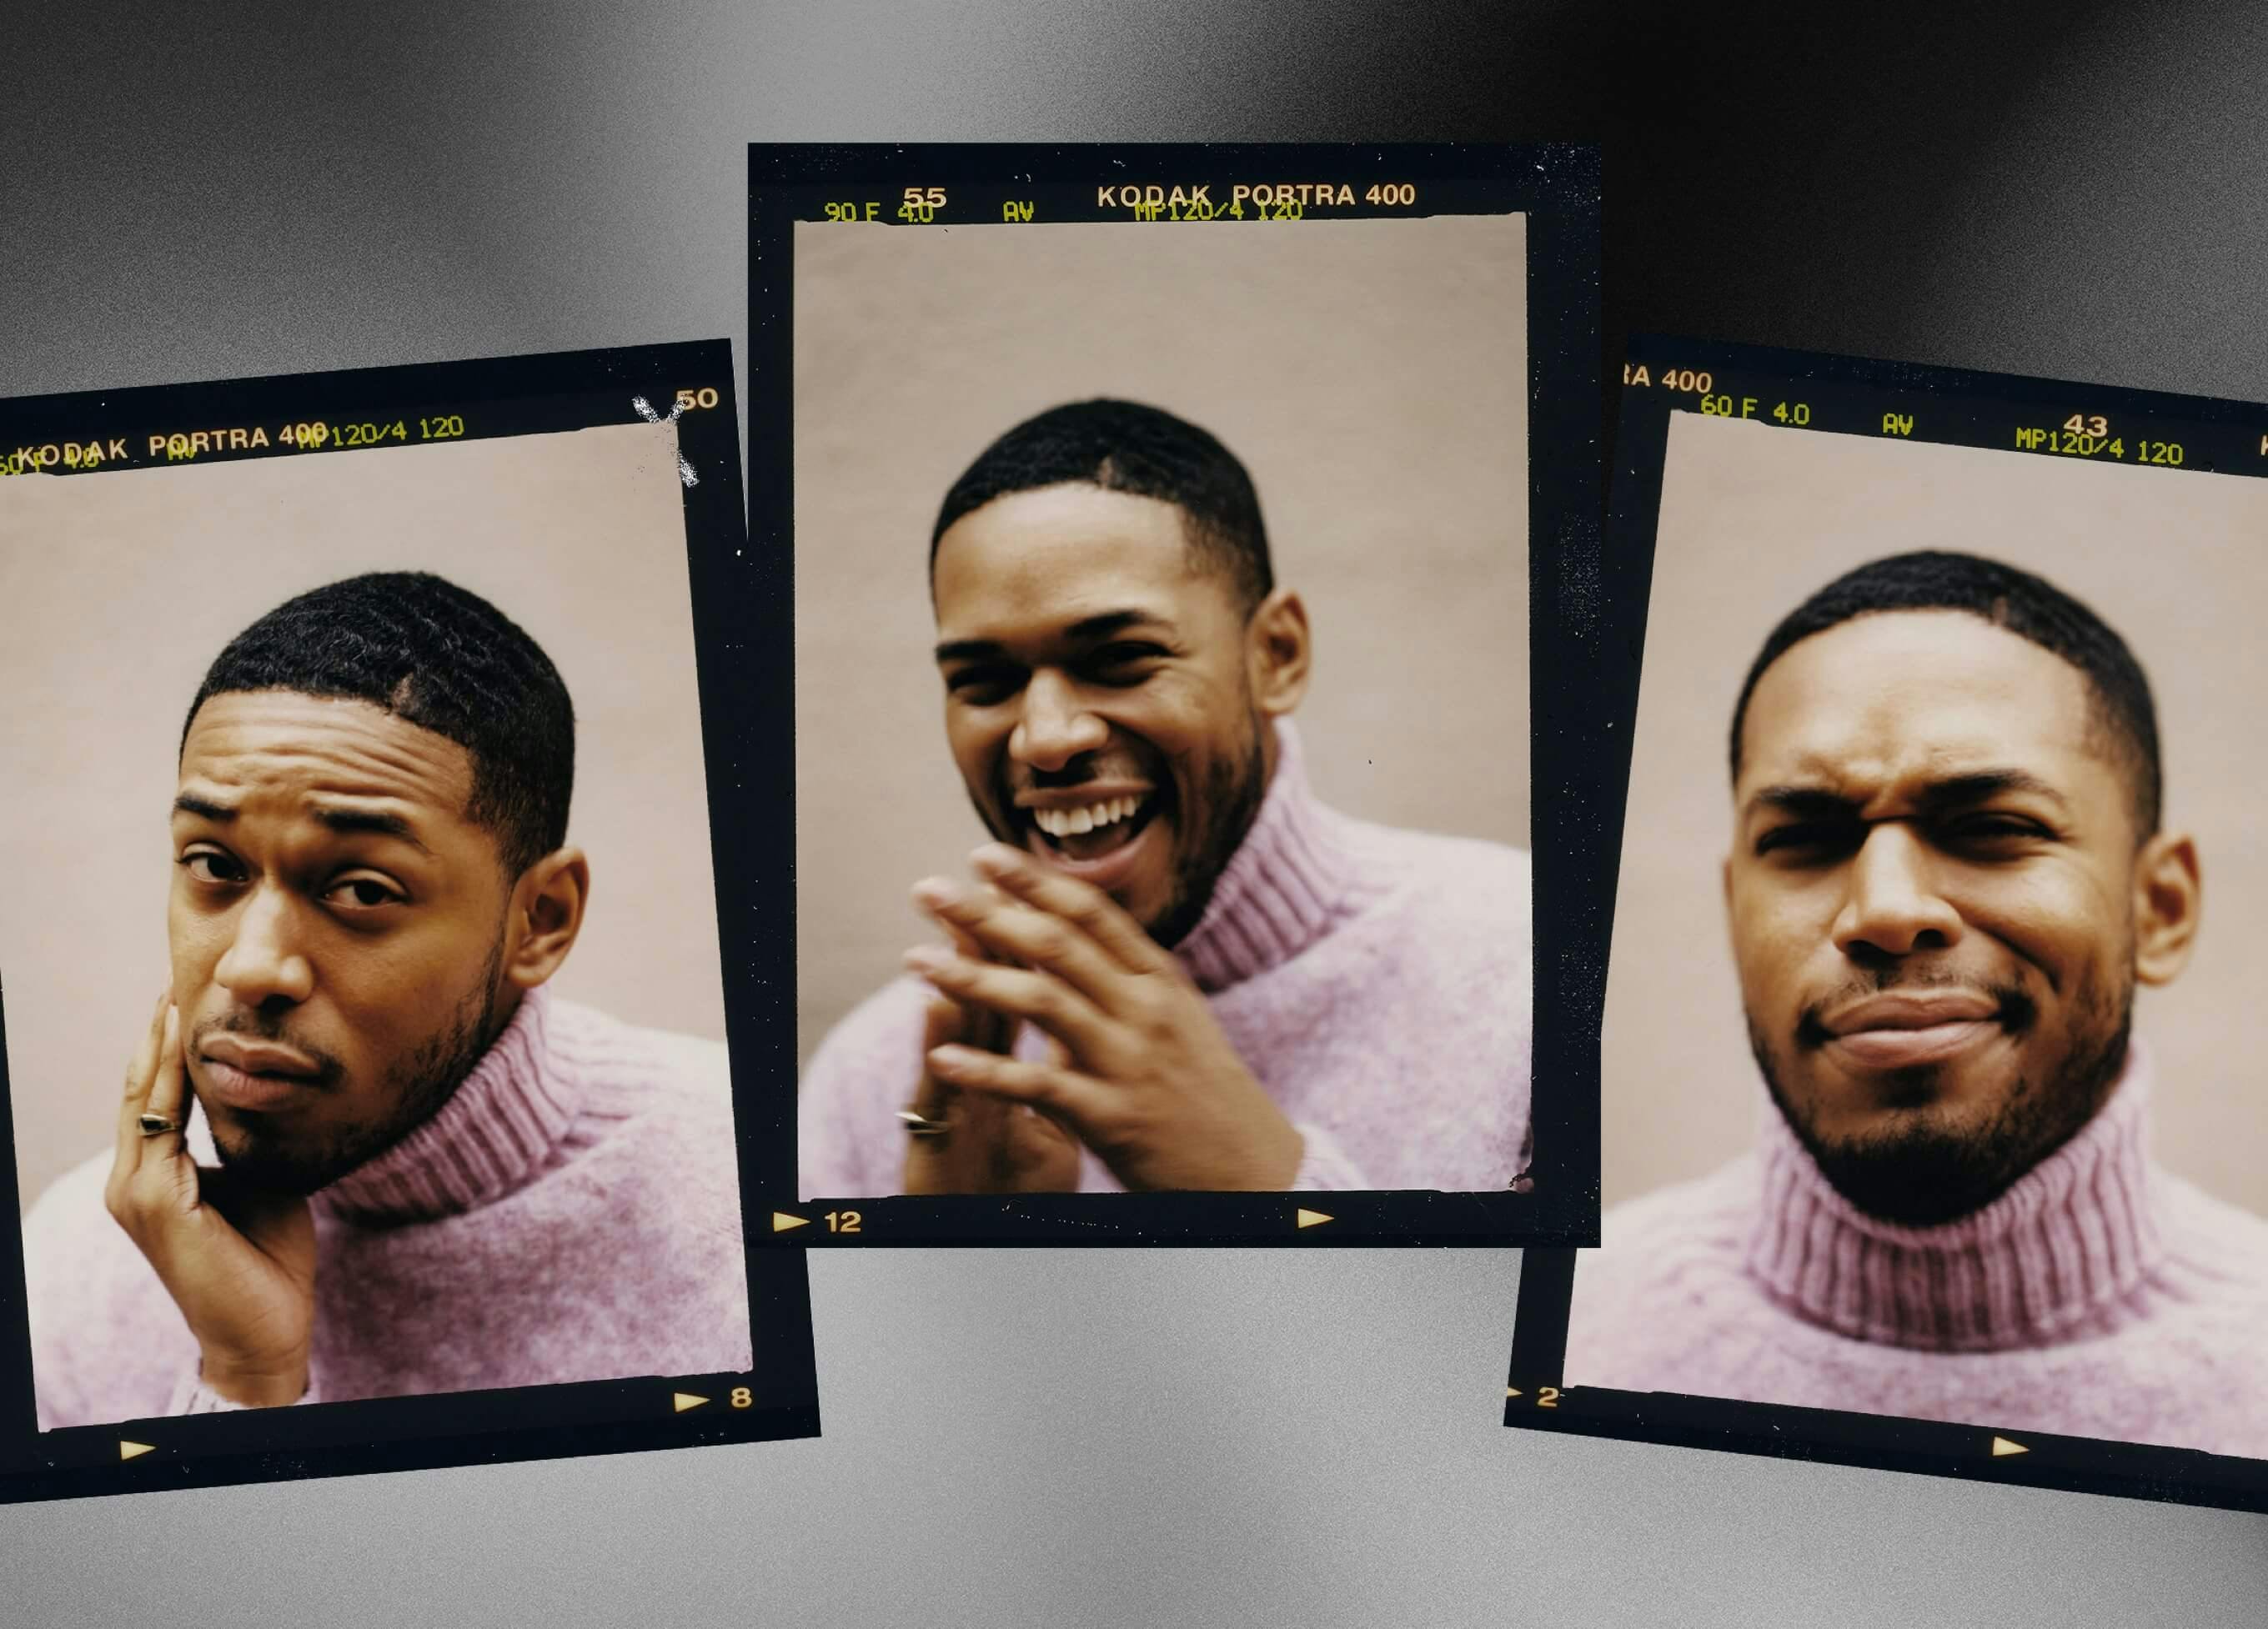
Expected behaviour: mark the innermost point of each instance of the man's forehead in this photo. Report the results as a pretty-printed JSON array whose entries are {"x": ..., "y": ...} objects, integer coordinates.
[
  {"x": 281, "y": 743},
  {"x": 1920, "y": 693},
  {"x": 1063, "y": 553}
]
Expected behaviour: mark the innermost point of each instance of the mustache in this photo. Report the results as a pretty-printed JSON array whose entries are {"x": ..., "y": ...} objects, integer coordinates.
[{"x": 2017, "y": 1011}]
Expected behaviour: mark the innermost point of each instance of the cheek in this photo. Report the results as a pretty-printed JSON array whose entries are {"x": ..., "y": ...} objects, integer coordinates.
[
  {"x": 1775, "y": 933},
  {"x": 977, "y": 741}
]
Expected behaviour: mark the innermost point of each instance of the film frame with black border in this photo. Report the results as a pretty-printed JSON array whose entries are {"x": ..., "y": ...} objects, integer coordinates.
[
  {"x": 1213, "y": 187},
  {"x": 82, "y": 436},
  {"x": 1802, "y": 393}
]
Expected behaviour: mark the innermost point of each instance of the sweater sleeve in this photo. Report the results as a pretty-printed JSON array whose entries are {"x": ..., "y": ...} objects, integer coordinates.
[
  {"x": 1325, "y": 1165},
  {"x": 192, "y": 1396},
  {"x": 849, "y": 1143}
]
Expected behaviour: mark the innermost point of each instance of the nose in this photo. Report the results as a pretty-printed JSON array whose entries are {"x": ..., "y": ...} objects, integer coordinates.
[
  {"x": 1056, "y": 726},
  {"x": 1893, "y": 907},
  {"x": 263, "y": 964}
]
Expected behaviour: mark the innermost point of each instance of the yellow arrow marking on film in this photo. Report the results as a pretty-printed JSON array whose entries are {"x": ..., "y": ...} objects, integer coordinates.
[
  {"x": 782, "y": 1222},
  {"x": 1310, "y": 1218},
  {"x": 1512, "y": 1391},
  {"x": 2002, "y": 1447},
  {"x": 135, "y": 1450},
  {"x": 686, "y": 1399}
]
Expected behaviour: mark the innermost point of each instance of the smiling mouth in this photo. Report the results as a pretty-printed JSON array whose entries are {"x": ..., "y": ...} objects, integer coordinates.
[{"x": 1091, "y": 831}]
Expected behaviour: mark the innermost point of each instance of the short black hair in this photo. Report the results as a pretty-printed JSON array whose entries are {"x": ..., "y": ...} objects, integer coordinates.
[
  {"x": 2029, "y": 606},
  {"x": 438, "y": 656},
  {"x": 1124, "y": 446}
]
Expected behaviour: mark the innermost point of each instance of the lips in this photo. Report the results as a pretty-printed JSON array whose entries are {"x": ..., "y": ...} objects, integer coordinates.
[
  {"x": 1903, "y": 1029},
  {"x": 255, "y": 1075}
]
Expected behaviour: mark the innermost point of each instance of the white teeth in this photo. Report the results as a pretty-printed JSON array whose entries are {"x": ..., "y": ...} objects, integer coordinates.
[{"x": 1076, "y": 822}]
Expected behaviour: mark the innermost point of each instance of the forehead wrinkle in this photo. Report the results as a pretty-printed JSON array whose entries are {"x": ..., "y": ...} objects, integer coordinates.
[{"x": 349, "y": 752}]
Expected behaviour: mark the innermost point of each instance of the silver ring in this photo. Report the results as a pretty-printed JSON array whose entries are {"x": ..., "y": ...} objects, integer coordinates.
[
  {"x": 157, "y": 1125},
  {"x": 921, "y": 1126}
]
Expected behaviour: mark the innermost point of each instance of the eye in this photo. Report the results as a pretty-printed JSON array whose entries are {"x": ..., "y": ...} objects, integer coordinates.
[
  {"x": 1810, "y": 839},
  {"x": 983, "y": 687},
  {"x": 211, "y": 866},
  {"x": 364, "y": 893},
  {"x": 1128, "y": 662},
  {"x": 1992, "y": 828}
]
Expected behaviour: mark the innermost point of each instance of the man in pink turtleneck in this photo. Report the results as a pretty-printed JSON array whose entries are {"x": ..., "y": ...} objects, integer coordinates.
[
  {"x": 362, "y": 1151},
  {"x": 1174, "y": 968},
  {"x": 1948, "y": 875}
]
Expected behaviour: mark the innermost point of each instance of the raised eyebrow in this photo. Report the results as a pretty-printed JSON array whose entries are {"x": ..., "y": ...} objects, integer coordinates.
[
  {"x": 204, "y": 808},
  {"x": 370, "y": 822}
]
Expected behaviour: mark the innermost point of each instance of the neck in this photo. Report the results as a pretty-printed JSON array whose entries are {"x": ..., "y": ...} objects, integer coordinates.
[
  {"x": 1289, "y": 880},
  {"x": 493, "y": 1134},
  {"x": 2058, "y": 1252}
]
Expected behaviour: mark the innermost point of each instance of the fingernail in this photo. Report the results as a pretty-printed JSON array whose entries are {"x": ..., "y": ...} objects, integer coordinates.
[
  {"x": 996, "y": 860},
  {"x": 934, "y": 893},
  {"x": 927, "y": 958},
  {"x": 950, "y": 1054}
]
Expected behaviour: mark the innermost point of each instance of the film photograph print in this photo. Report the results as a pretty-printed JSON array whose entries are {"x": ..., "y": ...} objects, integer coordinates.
[
  {"x": 1164, "y": 529},
  {"x": 369, "y": 1087},
  {"x": 1929, "y": 1136}
]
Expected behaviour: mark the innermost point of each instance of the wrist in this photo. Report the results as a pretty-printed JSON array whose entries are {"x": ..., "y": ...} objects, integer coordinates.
[{"x": 263, "y": 1384}]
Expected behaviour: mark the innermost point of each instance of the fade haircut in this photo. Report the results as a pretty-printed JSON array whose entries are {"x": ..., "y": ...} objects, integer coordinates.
[
  {"x": 440, "y": 657},
  {"x": 2028, "y": 606},
  {"x": 1123, "y": 446}
]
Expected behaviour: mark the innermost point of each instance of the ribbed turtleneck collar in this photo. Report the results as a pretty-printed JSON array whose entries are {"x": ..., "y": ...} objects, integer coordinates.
[
  {"x": 1281, "y": 890},
  {"x": 492, "y": 1135},
  {"x": 2061, "y": 1249}
]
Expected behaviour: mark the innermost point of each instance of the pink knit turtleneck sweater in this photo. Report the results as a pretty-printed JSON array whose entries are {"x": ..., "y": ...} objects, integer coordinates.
[
  {"x": 572, "y": 1213},
  {"x": 1376, "y": 982},
  {"x": 2100, "y": 1296}
]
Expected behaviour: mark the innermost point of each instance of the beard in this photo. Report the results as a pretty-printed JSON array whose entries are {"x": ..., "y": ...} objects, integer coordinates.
[
  {"x": 416, "y": 1087},
  {"x": 1920, "y": 1171},
  {"x": 1231, "y": 795}
]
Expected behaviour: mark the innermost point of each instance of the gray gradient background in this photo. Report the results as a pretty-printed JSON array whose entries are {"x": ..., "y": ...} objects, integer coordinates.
[{"x": 1102, "y": 1437}]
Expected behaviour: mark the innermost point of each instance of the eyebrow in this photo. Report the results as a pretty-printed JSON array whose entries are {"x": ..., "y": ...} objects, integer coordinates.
[
  {"x": 348, "y": 822},
  {"x": 1960, "y": 791},
  {"x": 1086, "y": 630}
]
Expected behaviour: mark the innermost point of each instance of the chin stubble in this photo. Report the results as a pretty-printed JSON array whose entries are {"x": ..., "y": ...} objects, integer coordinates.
[
  {"x": 1921, "y": 1173},
  {"x": 416, "y": 1088}
]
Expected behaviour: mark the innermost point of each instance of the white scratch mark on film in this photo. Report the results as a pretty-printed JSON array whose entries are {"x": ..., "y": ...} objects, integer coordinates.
[{"x": 645, "y": 411}]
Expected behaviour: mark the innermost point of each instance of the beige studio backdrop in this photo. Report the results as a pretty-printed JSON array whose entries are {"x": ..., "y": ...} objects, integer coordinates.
[
  {"x": 118, "y": 589},
  {"x": 1372, "y": 375},
  {"x": 1754, "y": 518}
]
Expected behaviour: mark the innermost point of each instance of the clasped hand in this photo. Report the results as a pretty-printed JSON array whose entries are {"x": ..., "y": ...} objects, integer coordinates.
[{"x": 1139, "y": 1070}]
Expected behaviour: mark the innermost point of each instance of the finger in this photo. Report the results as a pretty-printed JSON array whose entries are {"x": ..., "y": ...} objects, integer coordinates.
[
  {"x": 1061, "y": 1094},
  {"x": 1093, "y": 911},
  {"x": 1024, "y": 993},
  {"x": 140, "y": 1075},
  {"x": 1007, "y": 928},
  {"x": 941, "y": 1025},
  {"x": 169, "y": 1093},
  {"x": 980, "y": 1027}
]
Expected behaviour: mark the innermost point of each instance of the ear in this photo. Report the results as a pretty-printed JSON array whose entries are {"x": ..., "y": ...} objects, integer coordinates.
[
  {"x": 546, "y": 913},
  {"x": 2169, "y": 902},
  {"x": 1280, "y": 651}
]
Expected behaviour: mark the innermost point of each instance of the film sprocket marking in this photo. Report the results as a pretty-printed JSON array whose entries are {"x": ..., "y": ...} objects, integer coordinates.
[
  {"x": 1217, "y": 190},
  {"x": 1804, "y": 394},
  {"x": 84, "y": 435}
]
